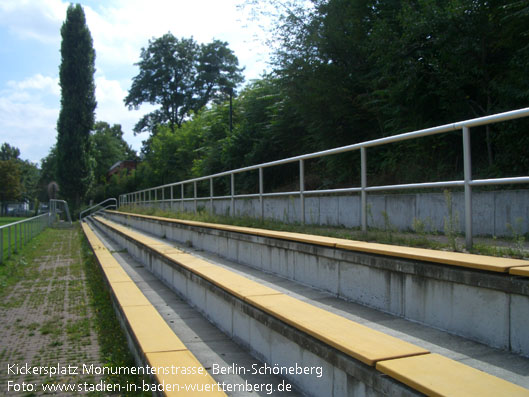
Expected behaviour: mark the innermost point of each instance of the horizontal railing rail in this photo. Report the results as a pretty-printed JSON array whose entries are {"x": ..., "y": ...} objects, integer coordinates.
[
  {"x": 113, "y": 204},
  {"x": 55, "y": 210},
  {"x": 146, "y": 195},
  {"x": 14, "y": 236}
]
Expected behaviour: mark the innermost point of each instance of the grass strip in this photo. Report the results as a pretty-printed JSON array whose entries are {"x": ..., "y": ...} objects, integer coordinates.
[{"x": 421, "y": 239}]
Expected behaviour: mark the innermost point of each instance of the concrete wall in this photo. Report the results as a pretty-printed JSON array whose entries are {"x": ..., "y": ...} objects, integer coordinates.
[
  {"x": 493, "y": 212},
  {"x": 266, "y": 337},
  {"x": 487, "y": 307}
]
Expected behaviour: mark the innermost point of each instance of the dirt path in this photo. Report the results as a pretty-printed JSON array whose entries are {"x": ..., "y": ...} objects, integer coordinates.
[{"x": 46, "y": 319}]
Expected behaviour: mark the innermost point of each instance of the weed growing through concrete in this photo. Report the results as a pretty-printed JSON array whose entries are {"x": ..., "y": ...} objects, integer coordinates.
[
  {"x": 419, "y": 238},
  {"x": 518, "y": 237},
  {"x": 451, "y": 221}
]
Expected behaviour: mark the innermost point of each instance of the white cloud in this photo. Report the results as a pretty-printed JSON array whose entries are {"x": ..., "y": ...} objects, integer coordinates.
[
  {"x": 39, "y": 20},
  {"x": 29, "y": 127},
  {"x": 110, "y": 108},
  {"x": 29, "y": 107},
  {"x": 122, "y": 28},
  {"x": 29, "y": 110},
  {"x": 28, "y": 115},
  {"x": 38, "y": 82}
]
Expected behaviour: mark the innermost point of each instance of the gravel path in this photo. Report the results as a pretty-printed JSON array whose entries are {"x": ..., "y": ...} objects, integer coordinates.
[{"x": 47, "y": 321}]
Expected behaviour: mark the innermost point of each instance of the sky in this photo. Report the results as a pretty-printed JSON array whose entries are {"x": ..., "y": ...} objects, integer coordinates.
[{"x": 30, "y": 57}]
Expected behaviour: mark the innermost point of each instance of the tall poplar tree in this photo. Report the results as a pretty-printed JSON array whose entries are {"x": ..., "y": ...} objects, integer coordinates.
[{"x": 78, "y": 103}]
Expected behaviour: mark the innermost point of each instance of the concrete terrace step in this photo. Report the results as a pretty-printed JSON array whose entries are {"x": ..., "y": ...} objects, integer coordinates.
[
  {"x": 320, "y": 318},
  {"x": 209, "y": 345},
  {"x": 154, "y": 342},
  {"x": 487, "y": 306},
  {"x": 482, "y": 262}
]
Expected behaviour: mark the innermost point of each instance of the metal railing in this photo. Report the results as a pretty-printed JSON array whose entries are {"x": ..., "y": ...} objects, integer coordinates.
[
  {"x": 144, "y": 196},
  {"x": 54, "y": 210},
  {"x": 15, "y": 235},
  {"x": 101, "y": 207}
]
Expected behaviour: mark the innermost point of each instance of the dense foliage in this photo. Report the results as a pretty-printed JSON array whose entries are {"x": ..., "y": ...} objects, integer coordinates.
[
  {"x": 349, "y": 71},
  {"x": 181, "y": 76},
  {"x": 78, "y": 103},
  {"x": 19, "y": 178},
  {"x": 344, "y": 71}
]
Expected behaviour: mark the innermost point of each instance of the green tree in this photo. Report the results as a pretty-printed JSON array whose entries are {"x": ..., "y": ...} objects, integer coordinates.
[
  {"x": 182, "y": 77},
  {"x": 359, "y": 70},
  {"x": 109, "y": 147},
  {"x": 78, "y": 103},
  {"x": 27, "y": 172},
  {"x": 10, "y": 188},
  {"x": 437, "y": 62},
  {"x": 29, "y": 180},
  {"x": 48, "y": 173},
  {"x": 8, "y": 152}
]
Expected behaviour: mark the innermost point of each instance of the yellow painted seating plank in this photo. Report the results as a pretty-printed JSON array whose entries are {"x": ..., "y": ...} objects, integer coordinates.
[
  {"x": 183, "y": 360},
  {"x": 435, "y": 375},
  {"x": 106, "y": 259},
  {"x": 520, "y": 271},
  {"x": 86, "y": 228},
  {"x": 167, "y": 249},
  {"x": 300, "y": 237},
  {"x": 128, "y": 294},
  {"x": 234, "y": 283},
  {"x": 104, "y": 255},
  {"x": 91, "y": 237},
  {"x": 188, "y": 261},
  {"x": 135, "y": 235},
  {"x": 356, "y": 340},
  {"x": 481, "y": 262},
  {"x": 150, "y": 329},
  {"x": 116, "y": 274}
]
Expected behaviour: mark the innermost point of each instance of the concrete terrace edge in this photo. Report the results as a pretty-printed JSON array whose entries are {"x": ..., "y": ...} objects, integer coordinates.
[
  {"x": 487, "y": 307},
  {"x": 266, "y": 337}
]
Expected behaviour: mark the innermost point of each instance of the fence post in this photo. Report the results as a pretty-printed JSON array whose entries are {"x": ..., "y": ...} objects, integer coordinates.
[
  {"x": 211, "y": 195},
  {"x": 171, "y": 198},
  {"x": 9, "y": 242},
  {"x": 363, "y": 200},
  {"x": 302, "y": 190},
  {"x": 232, "y": 209},
  {"x": 467, "y": 161},
  {"x": 261, "y": 191},
  {"x": 195, "y": 194},
  {"x": 182, "y": 197},
  {"x": 16, "y": 241}
]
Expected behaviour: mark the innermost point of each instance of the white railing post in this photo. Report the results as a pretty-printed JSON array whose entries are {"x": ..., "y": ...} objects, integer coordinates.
[
  {"x": 301, "y": 191},
  {"x": 363, "y": 199},
  {"x": 232, "y": 208},
  {"x": 467, "y": 164},
  {"x": 171, "y": 197},
  {"x": 261, "y": 192},
  {"x": 182, "y": 197},
  {"x": 132, "y": 198},
  {"x": 195, "y": 194},
  {"x": 211, "y": 195}
]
